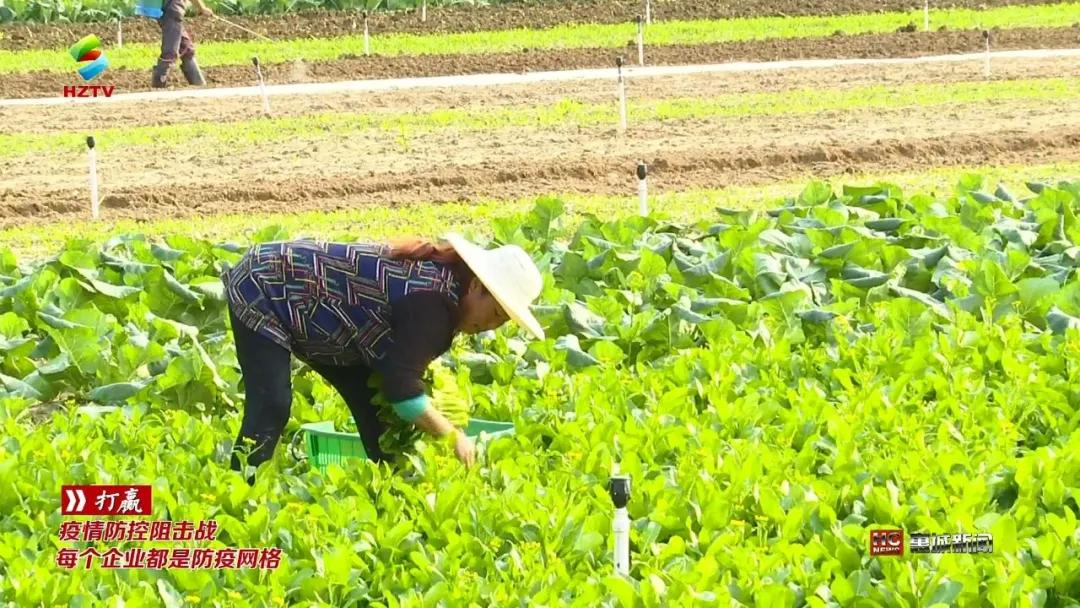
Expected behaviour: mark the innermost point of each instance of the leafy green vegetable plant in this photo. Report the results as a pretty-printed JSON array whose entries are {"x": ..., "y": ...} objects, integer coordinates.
[{"x": 777, "y": 383}]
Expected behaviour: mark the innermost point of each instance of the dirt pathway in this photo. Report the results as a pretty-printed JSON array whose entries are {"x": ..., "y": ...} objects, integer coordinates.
[{"x": 451, "y": 165}]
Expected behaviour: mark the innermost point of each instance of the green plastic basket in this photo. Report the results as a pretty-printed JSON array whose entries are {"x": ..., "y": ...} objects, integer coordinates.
[{"x": 325, "y": 446}]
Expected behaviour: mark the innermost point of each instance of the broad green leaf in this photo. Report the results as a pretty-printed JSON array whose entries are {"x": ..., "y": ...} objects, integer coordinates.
[
  {"x": 120, "y": 391},
  {"x": 583, "y": 321},
  {"x": 576, "y": 358},
  {"x": 18, "y": 388},
  {"x": 1060, "y": 322},
  {"x": 816, "y": 193},
  {"x": 945, "y": 593}
]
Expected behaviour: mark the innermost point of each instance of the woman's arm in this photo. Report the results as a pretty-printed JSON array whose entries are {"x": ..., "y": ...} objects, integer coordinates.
[
  {"x": 423, "y": 326},
  {"x": 419, "y": 411},
  {"x": 434, "y": 423}
]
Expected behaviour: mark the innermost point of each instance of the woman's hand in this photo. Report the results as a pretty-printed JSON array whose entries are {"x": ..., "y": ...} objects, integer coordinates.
[
  {"x": 464, "y": 448},
  {"x": 434, "y": 423}
]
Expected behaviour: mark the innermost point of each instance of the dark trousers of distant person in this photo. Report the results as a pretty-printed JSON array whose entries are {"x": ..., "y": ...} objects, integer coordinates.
[
  {"x": 267, "y": 374},
  {"x": 176, "y": 42}
]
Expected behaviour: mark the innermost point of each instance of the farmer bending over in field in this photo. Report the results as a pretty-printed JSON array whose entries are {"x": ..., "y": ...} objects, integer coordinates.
[
  {"x": 176, "y": 41},
  {"x": 348, "y": 309}
]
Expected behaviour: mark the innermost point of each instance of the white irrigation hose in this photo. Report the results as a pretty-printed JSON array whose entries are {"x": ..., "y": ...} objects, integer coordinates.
[
  {"x": 505, "y": 79},
  {"x": 242, "y": 28}
]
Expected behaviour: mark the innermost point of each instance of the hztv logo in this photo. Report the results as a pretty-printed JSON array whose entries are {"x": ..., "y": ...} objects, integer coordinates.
[{"x": 88, "y": 53}]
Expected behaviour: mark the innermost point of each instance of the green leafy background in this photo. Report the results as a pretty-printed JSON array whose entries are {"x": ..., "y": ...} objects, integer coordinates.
[{"x": 777, "y": 384}]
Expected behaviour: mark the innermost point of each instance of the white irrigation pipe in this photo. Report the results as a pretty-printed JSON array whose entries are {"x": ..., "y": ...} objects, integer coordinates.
[
  {"x": 367, "y": 37},
  {"x": 92, "y": 153},
  {"x": 622, "y": 96},
  {"x": 643, "y": 189},
  {"x": 926, "y": 16},
  {"x": 640, "y": 41},
  {"x": 487, "y": 80},
  {"x": 262, "y": 86},
  {"x": 619, "y": 490}
]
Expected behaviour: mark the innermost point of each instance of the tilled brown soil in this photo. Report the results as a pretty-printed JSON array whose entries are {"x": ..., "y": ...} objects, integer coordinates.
[
  {"x": 319, "y": 24},
  {"x": 460, "y": 166},
  {"x": 521, "y": 179},
  {"x": 45, "y": 84}
]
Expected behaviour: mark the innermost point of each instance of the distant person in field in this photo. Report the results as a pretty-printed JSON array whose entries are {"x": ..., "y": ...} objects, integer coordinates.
[
  {"x": 176, "y": 42},
  {"x": 348, "y": 309}
]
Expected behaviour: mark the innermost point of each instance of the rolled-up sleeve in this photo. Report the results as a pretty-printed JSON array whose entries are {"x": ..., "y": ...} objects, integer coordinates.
[{"x": 422, "y": 328}]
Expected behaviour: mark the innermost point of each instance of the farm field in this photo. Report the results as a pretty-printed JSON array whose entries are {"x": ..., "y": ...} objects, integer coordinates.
[
  {"x": 700, "y": 131},
  {"x": 853, "y": 304},
  {"x": 37, "y": 70}
]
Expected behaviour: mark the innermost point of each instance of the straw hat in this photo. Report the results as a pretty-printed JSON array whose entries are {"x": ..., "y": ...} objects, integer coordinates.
[{"x": 509, "y": 274}]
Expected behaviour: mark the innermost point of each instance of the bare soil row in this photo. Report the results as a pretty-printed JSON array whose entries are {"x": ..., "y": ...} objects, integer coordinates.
[{"x": 451, "y": 165}]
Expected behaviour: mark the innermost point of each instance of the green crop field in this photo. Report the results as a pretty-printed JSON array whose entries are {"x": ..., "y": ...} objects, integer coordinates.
[
  {"x": 776, "y": 383},
  {"x": 843, "y": 300},
  {"x": 564, "y": 114},
  {"x": 138, "y": 56}
]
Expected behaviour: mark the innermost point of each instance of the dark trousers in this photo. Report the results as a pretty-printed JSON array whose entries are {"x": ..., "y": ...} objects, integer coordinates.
[
  {"x": 175, "y": 40},
  {"x": 267, "y": 377}
]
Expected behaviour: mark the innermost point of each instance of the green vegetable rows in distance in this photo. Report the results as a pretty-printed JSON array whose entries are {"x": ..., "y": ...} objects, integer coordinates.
[
  {"x": 562, "y": 114},
  {"x": 38, "y": 11}
]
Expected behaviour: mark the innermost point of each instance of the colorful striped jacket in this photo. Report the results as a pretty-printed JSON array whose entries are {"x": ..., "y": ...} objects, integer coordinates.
[{"x": 332, "y": 303}]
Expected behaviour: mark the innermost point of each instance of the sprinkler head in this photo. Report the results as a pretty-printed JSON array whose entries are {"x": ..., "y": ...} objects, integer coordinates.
[
  {"x": 619, "y": 61},
  {"x": 642, "y": 171},
  {"x": 619, "y": 489},
  {"x": 255, "y": 61},
  {"x": 90, "y": 142}
]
